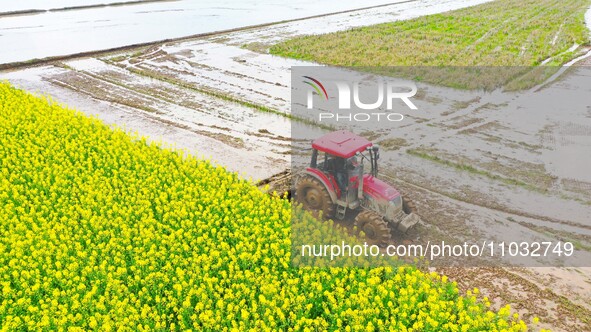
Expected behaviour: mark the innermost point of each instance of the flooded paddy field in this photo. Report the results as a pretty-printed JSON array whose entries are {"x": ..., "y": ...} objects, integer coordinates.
[{"x": 41, "y": 29}]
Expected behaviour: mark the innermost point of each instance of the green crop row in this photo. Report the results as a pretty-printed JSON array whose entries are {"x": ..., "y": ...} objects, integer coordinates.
[{"x": 509, "y": 33}]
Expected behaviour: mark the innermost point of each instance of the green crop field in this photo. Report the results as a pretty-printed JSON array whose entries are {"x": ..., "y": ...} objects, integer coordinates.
[{"x": 500, "y": 33}]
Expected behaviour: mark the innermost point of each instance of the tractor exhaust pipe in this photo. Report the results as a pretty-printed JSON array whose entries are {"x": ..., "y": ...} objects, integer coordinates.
[
  {"x": 376, "y": 155},
  {"x": 360, "y": 188}
]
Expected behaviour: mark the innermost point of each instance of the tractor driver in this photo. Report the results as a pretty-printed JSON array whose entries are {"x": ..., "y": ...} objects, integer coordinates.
[
  {"x": 352, "y": 163},
  {"x": 340, "y": 172},
  {"x": 338, "y": 167}
]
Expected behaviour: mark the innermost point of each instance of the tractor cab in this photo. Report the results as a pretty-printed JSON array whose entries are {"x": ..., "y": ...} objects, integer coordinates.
[
  {"x": 338, "y": 156},
  {"x": 338, "y": 159}
]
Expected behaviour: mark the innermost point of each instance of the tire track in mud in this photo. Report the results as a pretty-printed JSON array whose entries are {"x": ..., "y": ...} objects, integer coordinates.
[
  {"x": 482, "y": 204},
  {"x": 242, "y": 138},
  {"x": 152, "y": 114},
  {"x": 554, "y": 306},
  {"x": 502, "y": 286},
  {"x": 227, "y": 72},
  {"x": 166, "y": 77}
]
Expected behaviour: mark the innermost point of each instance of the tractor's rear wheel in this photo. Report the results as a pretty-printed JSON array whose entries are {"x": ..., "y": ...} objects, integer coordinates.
[
  {"x": 314, "y": 197},
  {"x": 408, "y": 206},
  {"x": 374, "y": 226}
]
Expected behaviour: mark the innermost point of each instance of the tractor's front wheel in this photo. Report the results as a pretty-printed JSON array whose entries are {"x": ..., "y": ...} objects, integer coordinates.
[
  {"x": 374, "y": 226},
  {"x": 314, "y": 197}
]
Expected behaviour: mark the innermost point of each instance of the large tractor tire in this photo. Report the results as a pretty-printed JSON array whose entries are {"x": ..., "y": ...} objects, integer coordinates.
[
  {"x": 314, "y": 197},
  {"x": 374, "y": 226},
  {"x": 408, "y": 206}
]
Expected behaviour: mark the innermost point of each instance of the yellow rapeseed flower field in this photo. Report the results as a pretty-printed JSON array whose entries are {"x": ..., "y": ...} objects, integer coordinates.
[{"x": 100, "y": 230}]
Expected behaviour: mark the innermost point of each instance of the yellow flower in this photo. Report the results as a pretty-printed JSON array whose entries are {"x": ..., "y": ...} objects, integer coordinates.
[{"x": 107, "y": 231}]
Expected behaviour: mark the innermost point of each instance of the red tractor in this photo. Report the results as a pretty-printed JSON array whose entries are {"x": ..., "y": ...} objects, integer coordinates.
[{"x": 335, "y": 182}]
